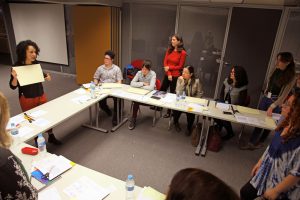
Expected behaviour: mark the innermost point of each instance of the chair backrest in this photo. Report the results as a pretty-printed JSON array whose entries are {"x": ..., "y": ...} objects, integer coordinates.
[
  {"x": 158, "y": 84},
  {"x": 138, "y": 64},
  {"x": 247, "y": 101}
]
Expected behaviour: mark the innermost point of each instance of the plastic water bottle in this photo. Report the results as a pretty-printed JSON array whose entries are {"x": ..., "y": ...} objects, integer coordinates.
[
  {"x": 14, "y": 130},
  {"x": 178, "y": 97},
  {"x": 129, "y": 187},
  {"x": 92, "y": 90},
  {"x": 41, "y": 142},
  {"x": 183, "y": 96}
]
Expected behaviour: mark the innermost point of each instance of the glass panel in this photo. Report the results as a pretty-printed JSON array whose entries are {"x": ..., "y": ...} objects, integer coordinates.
[
  {"x": 203, "y": 30},
  {"x": 151, "y": 27},
  {"x": 291, "y": 40}
]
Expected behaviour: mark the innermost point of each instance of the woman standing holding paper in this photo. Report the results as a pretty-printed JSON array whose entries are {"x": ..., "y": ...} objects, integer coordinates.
[
  {"x": 173, "y": 64},
  {"x": 14, "y": 183},
  {"x": 30, "y": 96}
]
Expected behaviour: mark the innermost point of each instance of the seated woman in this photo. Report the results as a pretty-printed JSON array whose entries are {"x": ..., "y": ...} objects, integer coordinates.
[
  {"x": 196, "y": 184},
  {"x": 192, "y": 87},
  {"x": 146, "y": 79},
  {"x": 234, "y": 91},
  {"x": 277, "y": 173},
  {"x": 14, "y": 182}
]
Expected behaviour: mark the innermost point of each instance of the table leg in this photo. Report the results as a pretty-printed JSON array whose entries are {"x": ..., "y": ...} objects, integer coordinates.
[
  {"x": 120, "y": 119},
  {"x": 90, "y": 125},
  {"x": 200, "y": 144}
]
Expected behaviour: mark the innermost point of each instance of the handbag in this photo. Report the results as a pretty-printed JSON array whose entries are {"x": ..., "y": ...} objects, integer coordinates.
[
  {"x": 214, "y": 140},
  {"x": 195, "y": 137}
]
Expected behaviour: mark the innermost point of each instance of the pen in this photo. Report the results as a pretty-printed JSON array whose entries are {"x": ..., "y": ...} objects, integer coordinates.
[
  {"x": 233, "y": 111},
  {"x": 30, "y": 119},
  {"x": 207, "y": 103}
]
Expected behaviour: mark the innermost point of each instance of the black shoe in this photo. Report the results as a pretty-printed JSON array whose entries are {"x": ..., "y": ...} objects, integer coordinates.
[
  {"x": 52, "y": 139},
  {"x": 167, "y": 115},
  {"x": 177, "y": 127},
  {"x": 114, "y": 123},
  {"x": 35, "y": 142},
  {"x": 228, "y": 136},
  {"x": 132, "y": 124}
]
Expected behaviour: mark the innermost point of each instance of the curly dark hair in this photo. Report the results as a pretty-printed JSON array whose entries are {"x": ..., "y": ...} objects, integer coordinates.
[
  {"x": 21, "y": 50},
  {"x": 195, "y": 184},
  {"x": 292, "y": 120},
  {"x": 241, "y": 76},
  {"x": 147, "y": 64},
  {"x": 179, "y": 47},
  {"x": 289, "y": 72},
  {"x": 110, "y": 53}
]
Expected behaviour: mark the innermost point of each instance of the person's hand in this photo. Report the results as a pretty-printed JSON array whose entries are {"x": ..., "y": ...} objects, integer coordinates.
[
  {"x": 269, "y": 111},
  {"x": 14, "y": 73},
  {"x": 146, "y": 84},
  {"x": 170, "y": 78},
  {"x": 180, "y": 78},
  {"x": 255, "y": 168},
  {"x": 166, "y": 68},
  {"x": 48, "y": 77},
  {"x": 271, "y": 194}
]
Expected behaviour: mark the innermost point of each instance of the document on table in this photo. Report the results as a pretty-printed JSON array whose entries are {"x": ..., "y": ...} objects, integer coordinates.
[
  {"x": 197, "y": 100},
  {"x": 16, "y": 120},
  {"x": 148, "y": 193},
  {"x": 81, "y": 99},
  {"x": 138, "y": 91},
  {"x": 246, "y": 110},
  {"x": 249, "y": 120},
  {"x": 81, "y": 91},
  {"x": 54, "y": 165},
  {"x": 111, "y": 85},
  {"x": 169, "y": 98},
  {"x": 196, "y": 107},
  {"x": 49, "y": 194},
  {"x": 41, "y": 122},
  {"x": 24, "y": 130},
  {"x": 29, "y": 74},
  {"x": 222, "y": 106},
  {"x": 38, "y": 113},
  {"x": 85, "y": 188}
]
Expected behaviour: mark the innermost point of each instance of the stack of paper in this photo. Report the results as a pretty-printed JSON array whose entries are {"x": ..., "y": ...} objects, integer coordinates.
[
  {"x": 247, "y": 110},
  {"x": 197, "y": 100},
  {"x": 85, "y": 188},
  {"x": 111, "y": 85},
  {"x": 81, "y": 99},
  {"x": 222, "y": 106},
  {"x": 148, "y": 193},
  {"x": 53, "y": 166},
  {"x": 138, "y": 91}
]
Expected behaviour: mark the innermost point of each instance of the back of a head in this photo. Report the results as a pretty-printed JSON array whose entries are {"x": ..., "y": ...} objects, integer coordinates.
[{"x": 196, "y": 184}]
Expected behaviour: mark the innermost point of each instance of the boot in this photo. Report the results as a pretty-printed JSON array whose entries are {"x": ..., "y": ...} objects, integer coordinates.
[{"x": 52, "y": 139}]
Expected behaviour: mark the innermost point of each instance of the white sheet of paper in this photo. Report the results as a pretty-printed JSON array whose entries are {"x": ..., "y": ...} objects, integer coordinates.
[
  {"x": 81, "y": 91},
  {"x": 85, "y": 188},
  {"x": 38, "y": 113},
  {"x": 16, "y": 119},
  {"x": 81, "y": 99},
  {"x": 241, "y": 118},
  {"x": 222, "y": 106},
  {"x": 169, "y": 98},
  {"x": 41, "y": 122},
  {"x": 24, "y": 130},
  {"x": 49, "y": 194},
  {"x": 29, "y": 74}
]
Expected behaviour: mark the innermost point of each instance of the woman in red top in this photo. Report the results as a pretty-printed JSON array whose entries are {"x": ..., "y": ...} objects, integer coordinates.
[{"x": 173, "y": 65}]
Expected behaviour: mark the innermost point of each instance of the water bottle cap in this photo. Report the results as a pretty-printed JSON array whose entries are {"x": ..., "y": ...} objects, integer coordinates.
[
  {"x": 40, "y": 135},
  {"x": 12, "y": 124},
  {"x": 130, "y": 177}
]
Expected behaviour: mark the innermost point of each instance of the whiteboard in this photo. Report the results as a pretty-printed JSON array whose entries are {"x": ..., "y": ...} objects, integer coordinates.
[{"x": 43, "y": 24}]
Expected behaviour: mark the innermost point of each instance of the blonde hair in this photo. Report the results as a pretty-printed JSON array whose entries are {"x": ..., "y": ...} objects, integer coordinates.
[{"x": 5, "y": 138}]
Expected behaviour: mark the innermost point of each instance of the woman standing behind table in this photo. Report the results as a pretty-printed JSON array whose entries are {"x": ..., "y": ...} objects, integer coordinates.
[
  {"x": 14, "y": 183},
  {"x": 280, "y": 83},
  {"x": 173, "y": 64},
  {"x": 30, "y": 96}
]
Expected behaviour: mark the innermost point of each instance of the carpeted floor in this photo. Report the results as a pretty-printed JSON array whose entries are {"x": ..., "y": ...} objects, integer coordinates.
[{"x": 152, "y": 154}]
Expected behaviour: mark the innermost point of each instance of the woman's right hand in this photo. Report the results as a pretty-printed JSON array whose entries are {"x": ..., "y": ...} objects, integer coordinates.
[{"x": 14, "y": 73}]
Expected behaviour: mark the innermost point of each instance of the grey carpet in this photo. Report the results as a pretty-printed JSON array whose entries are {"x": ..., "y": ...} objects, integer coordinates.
[{"x": 152, "y": 154}]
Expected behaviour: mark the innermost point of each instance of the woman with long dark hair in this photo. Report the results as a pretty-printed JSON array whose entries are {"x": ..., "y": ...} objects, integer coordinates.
[
  {"x": 30, "y": 96},
  {"x": 280, "y": 82},
  {"x": 173, "y": 64},
  {"x": 192, "y": 87},
  {"x": 234, "y": 91},
  {"x": 277, "y": 173}
]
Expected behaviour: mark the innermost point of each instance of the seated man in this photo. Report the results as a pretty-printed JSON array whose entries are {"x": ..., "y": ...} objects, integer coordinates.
[
  {"x": 146, "y": 79},
  {"x": 108, "y": 73}
]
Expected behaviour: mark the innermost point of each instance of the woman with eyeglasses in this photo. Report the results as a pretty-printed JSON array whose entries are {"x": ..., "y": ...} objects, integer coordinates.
[
  {"x": 277, "y": 173},
  {"x": 192, "y": 87},
  {"x": 14, "y": 183}
]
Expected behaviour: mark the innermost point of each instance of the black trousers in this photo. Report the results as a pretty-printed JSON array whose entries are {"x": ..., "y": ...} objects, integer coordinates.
[
  {"x": 103, "y": 105},
  {"x": 189, "y": 116},
  {"x": 226, "y": 124}
]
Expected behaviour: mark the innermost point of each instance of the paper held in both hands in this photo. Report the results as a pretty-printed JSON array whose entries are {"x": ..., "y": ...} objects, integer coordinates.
[{"x": 29, "y": 74}]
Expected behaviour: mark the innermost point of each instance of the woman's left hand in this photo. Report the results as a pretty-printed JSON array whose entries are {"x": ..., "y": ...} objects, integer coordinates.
[
  {"x": 271, "y": 194},
  {"x": 270, "y": 111},
  {"x": 48, "y": 77},
  {"x": 166, "y": 68}
]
